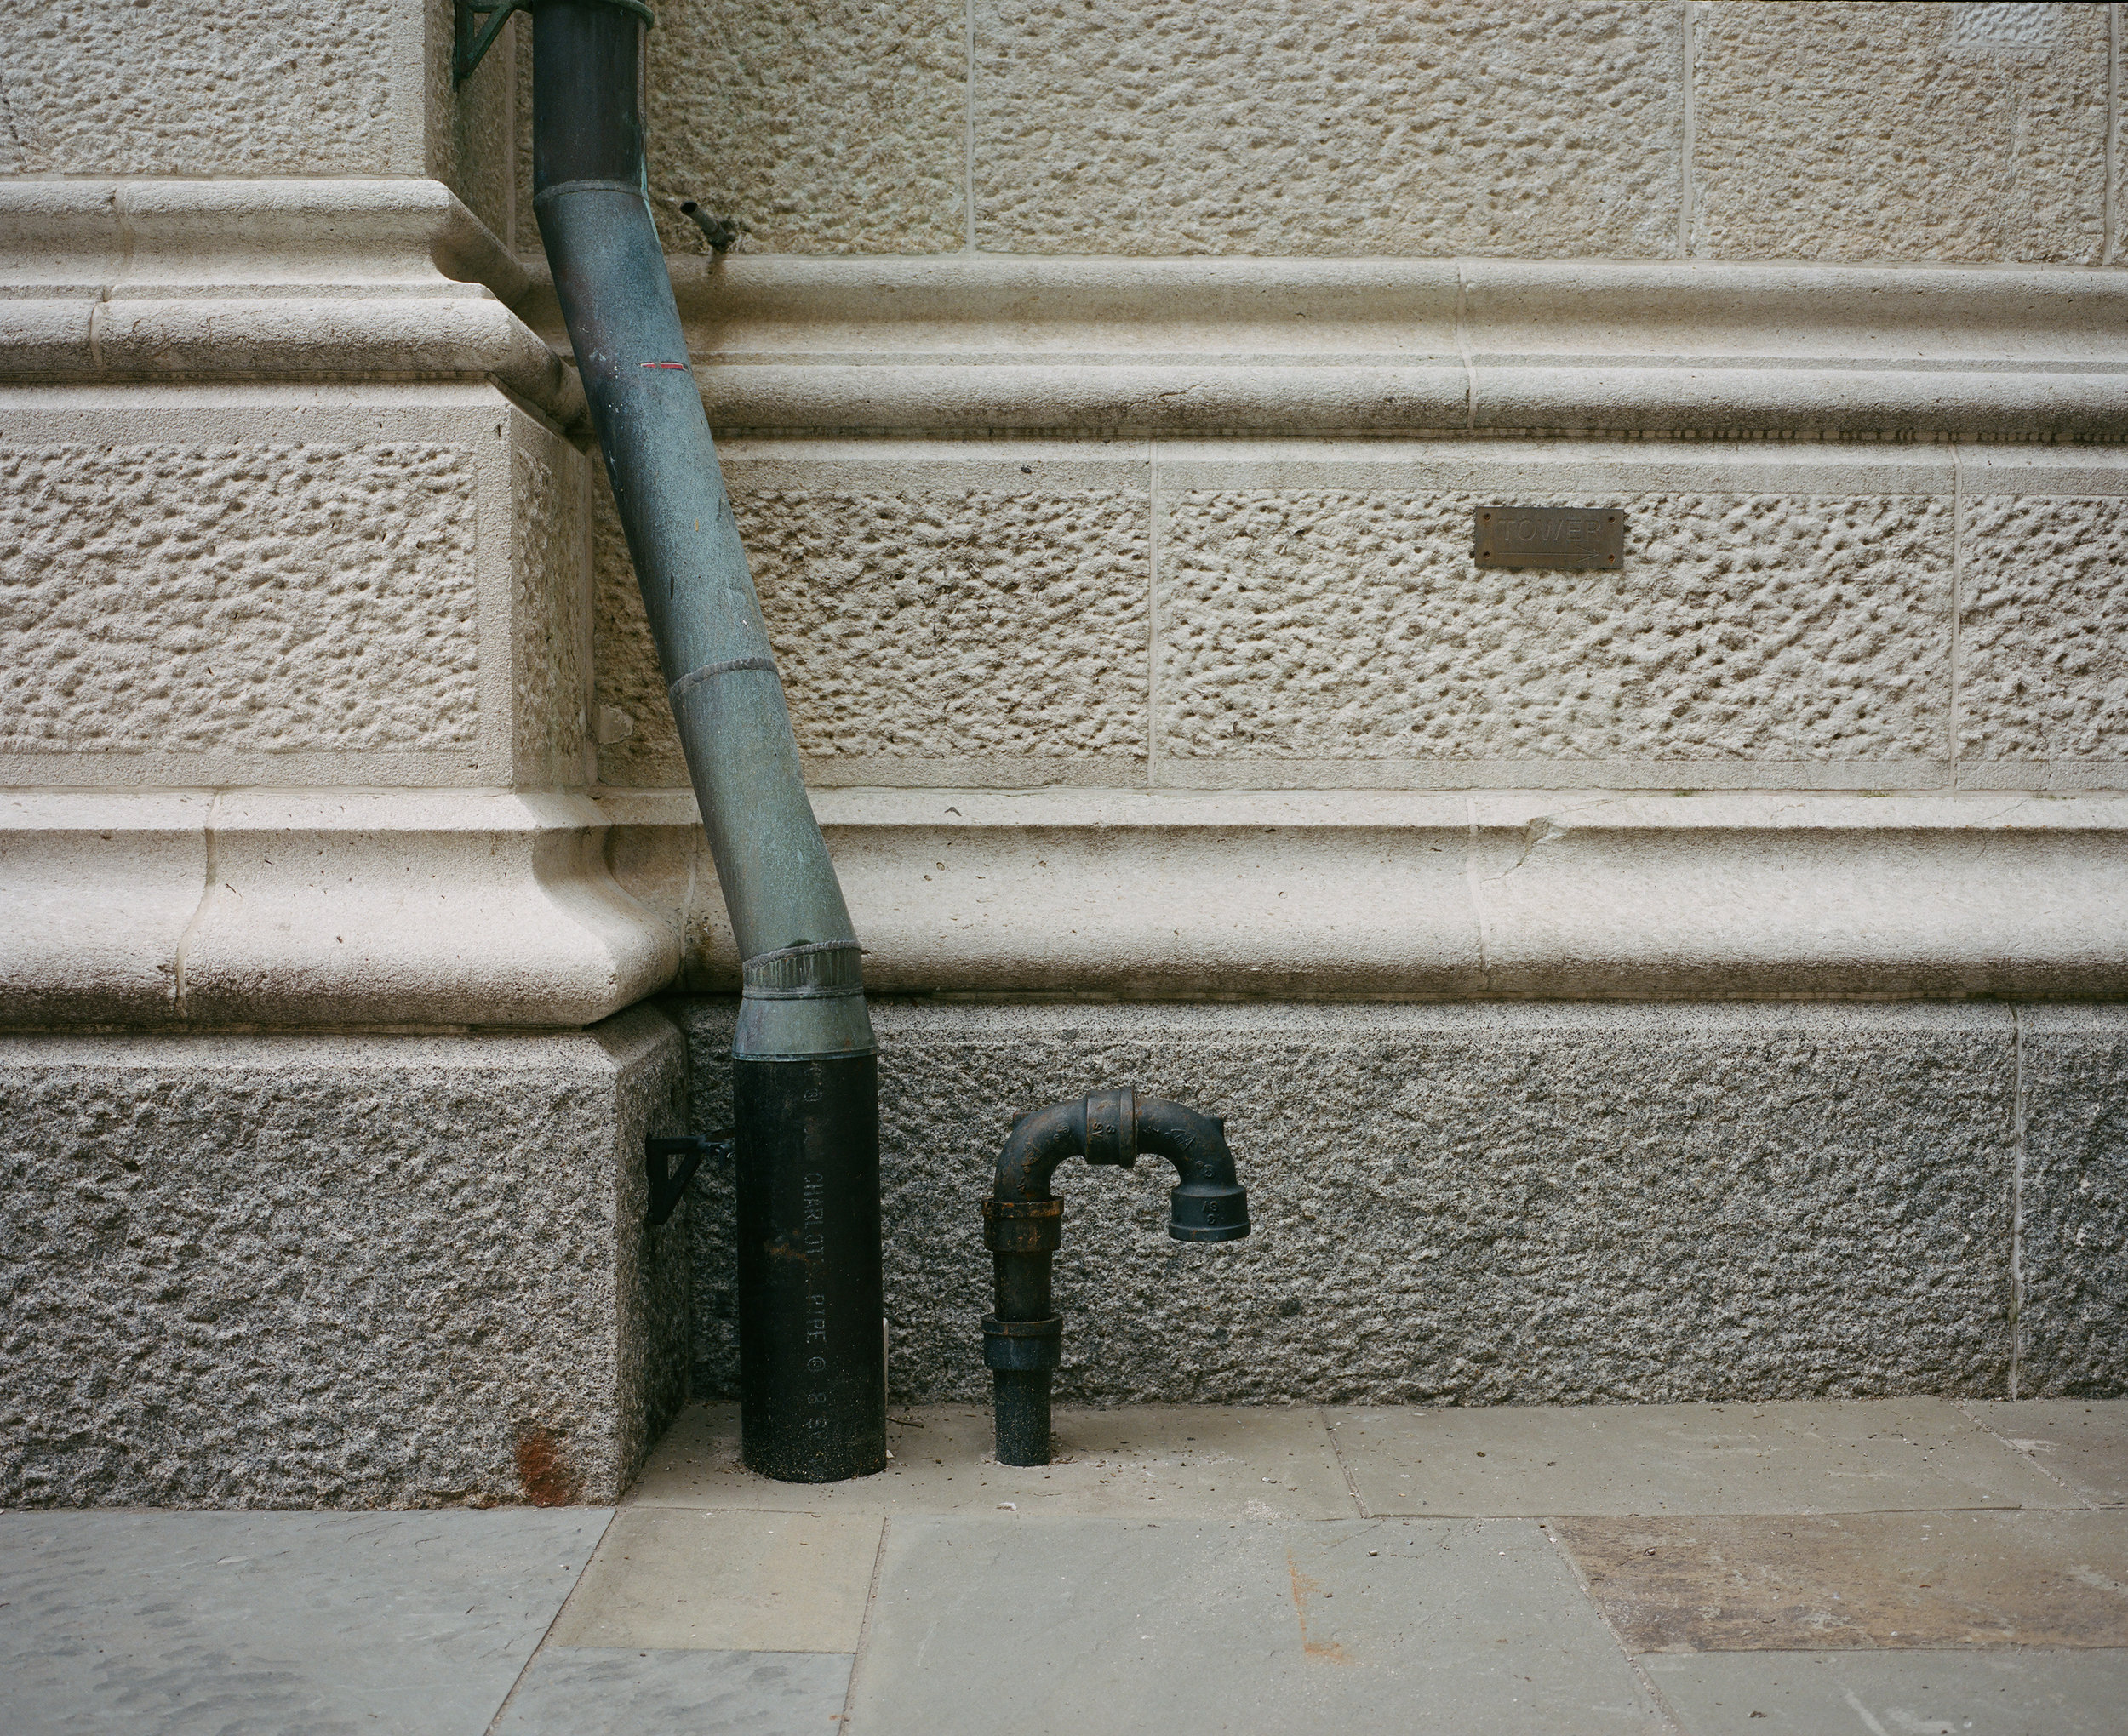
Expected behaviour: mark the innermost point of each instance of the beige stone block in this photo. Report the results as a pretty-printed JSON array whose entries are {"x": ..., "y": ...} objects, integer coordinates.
[
  {"x": 934, "y": 621},
  {"x": 1795, "y": 1457},
  {"x": 1348, "y": 127},
  {"x": 221, "y": 87},
  {"x": 688, "y": 1580},
  {"x": 196, "y": 594},
  {"x": 1269, "y": 1462},
  {"x": 828, "y": 127},
  {"x": 1900, "y": 132},
  {"x": 372, "y": 586},
  {"x": 1329, "y": 625},
  {"x": 2043, "y": 638},
  {"x": 471, "y": 127}
]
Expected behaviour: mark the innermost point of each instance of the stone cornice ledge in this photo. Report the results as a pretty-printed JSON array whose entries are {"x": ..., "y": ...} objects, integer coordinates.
[
  {"x": 988, "y": 342},
  {"x": 308, "y": 910},
  {"x": 1328, "y": 895},
  {"x": 340, "y": 281}
]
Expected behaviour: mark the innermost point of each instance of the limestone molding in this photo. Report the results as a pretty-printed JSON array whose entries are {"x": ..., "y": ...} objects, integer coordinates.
[
  {"x": 1311, "y": 346},
  {"x": 1350, "y": 895},
  {"x": 316, "y": 909},
  {"x": 242, "y": 280}
]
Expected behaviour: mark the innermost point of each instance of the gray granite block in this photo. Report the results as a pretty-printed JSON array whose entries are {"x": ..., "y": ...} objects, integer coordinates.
[
  {"x": 232, "y": 1624},
  {"x": 579, "y": 1691},
  {"x": 2073, "y": 1326},
  {"x": 296, "y": 1272},
  {"x": 1535, "y": 1204}
]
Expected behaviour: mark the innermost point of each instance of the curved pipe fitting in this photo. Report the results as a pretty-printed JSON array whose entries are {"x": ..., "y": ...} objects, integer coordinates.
[{"x": 1023, "y": 1226}]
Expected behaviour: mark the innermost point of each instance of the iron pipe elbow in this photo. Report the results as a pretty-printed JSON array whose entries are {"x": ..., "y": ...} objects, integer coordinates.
[{"x": 1208, "y": 1204}]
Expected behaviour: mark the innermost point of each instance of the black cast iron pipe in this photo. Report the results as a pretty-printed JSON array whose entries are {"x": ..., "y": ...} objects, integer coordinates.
[
  {"x": 813, "y": 1399},
  {"x": 1023, "y": 1224}
]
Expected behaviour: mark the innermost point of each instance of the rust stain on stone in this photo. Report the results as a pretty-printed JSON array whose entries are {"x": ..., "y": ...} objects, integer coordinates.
[
  {"x": 1322, "y": 1651},
  {"x": 1873, "y": 1581},
  {"x": 544, "y": 1472}
]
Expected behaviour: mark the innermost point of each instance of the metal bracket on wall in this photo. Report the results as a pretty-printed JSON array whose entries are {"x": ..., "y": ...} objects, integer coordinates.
[
  {"x": 473, "y": 44},
  {"x": 668, "y": 1184}
]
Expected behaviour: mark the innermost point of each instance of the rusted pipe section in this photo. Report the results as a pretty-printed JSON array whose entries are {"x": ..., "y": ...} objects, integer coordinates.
[{"x": 1023, "y": 1224}]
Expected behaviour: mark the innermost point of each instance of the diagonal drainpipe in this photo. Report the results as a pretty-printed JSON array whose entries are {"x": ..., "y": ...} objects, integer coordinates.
[{"x": 805, "y": 1078}]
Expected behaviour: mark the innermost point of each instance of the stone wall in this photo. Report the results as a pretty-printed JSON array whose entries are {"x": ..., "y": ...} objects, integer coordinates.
[
  {"x": 1106, "y": 389},
  {"x": 1560, "y": 129},
  {"x": 1541, "y": 1204}
]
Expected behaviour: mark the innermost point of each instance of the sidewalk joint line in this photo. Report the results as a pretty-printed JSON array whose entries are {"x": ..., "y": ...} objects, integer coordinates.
[
  {"x": 547, "y": 1632},
  {"x": 864, "y": 1627}
]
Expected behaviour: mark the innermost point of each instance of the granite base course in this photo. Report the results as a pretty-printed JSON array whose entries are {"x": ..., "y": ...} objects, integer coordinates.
[
  {"x": 1527, "y": 1204},
  {"x": 336, "y": 1271}
]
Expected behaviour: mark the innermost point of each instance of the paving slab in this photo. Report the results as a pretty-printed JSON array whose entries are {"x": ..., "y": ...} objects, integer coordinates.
[
  {"x": 1886, "y": 1581},
  {"x": 183, "y": 1622},
  {"x": 586, "y": 1692},
  {"x": 1896, "y": 1693},
  {"x": 1801, "y": 1457},
  {"x": 1035, "y": 1625},
  {"x": 2082, "y": 1442},
  {"x": 1260, "y": 1462},
  {"x": 697, "y": 1579}
]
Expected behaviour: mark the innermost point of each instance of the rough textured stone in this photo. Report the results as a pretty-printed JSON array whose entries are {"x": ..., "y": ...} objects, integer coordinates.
[
  {"x": 552, "y": 663},
  {"x": 1347, "y": 626},
  {"x": 833, "y": 125},
  {"x": 334, "y": 1271},
  {"x": 1532, "y": 1204},
  {"x": 2073, "y": 1318},
  {"x": 239, "y": 596},
  {"x": 222, "y": 87},
  {"x": 2043, "y": 630},
  {"x": 1349, "y": 127},
  {"x": 471, "y": 127},
  {"x": 914, "y": 627},
  {"x": 1894, "y": 131}
]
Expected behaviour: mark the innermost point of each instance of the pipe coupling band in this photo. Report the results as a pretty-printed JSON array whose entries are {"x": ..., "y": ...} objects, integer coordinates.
[
  {"x": 1023, "y": 1226},
  {"x": 1111, "y": 1127},
  {"x": 820, "y": 970},
  {"x": 1022, "y": 1346}
]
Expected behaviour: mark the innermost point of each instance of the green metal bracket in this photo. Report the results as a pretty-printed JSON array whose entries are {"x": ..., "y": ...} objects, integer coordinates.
[{"x": 473, "y": 44}]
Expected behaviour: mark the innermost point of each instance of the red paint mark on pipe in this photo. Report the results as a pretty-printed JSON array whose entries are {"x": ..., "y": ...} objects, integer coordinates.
[{"x": 661, "y": 365}]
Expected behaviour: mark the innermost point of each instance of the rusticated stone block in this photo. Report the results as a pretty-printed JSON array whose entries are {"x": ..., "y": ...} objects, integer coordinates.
[
  {"x": 549, "y": 571},
  {"x": 1888, "y": 131},
  {"x": 217, "y": 87},
  {"x": 340, "y": 1272},
  {"x": 1528, "y": 1204},
  {"x": 1334, "y": 626},
  {"x": 829, "y": 127},
  {"x": 2043, "y": 630},
  {"x": 262, "y": 597},
  {"x": 1345, "y": 127},
  {"x": 929, "y": 627},
  {"x": 2073, "y": 1320}
]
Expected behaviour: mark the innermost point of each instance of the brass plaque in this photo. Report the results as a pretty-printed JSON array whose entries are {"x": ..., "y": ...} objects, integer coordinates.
[{"x": 1568, "y": 537}]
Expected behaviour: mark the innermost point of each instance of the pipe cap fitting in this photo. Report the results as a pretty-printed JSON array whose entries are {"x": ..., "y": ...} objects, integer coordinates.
[
  {"x": 1203, "y": 1211},
  {"x": 1023, "y": 1346}
]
